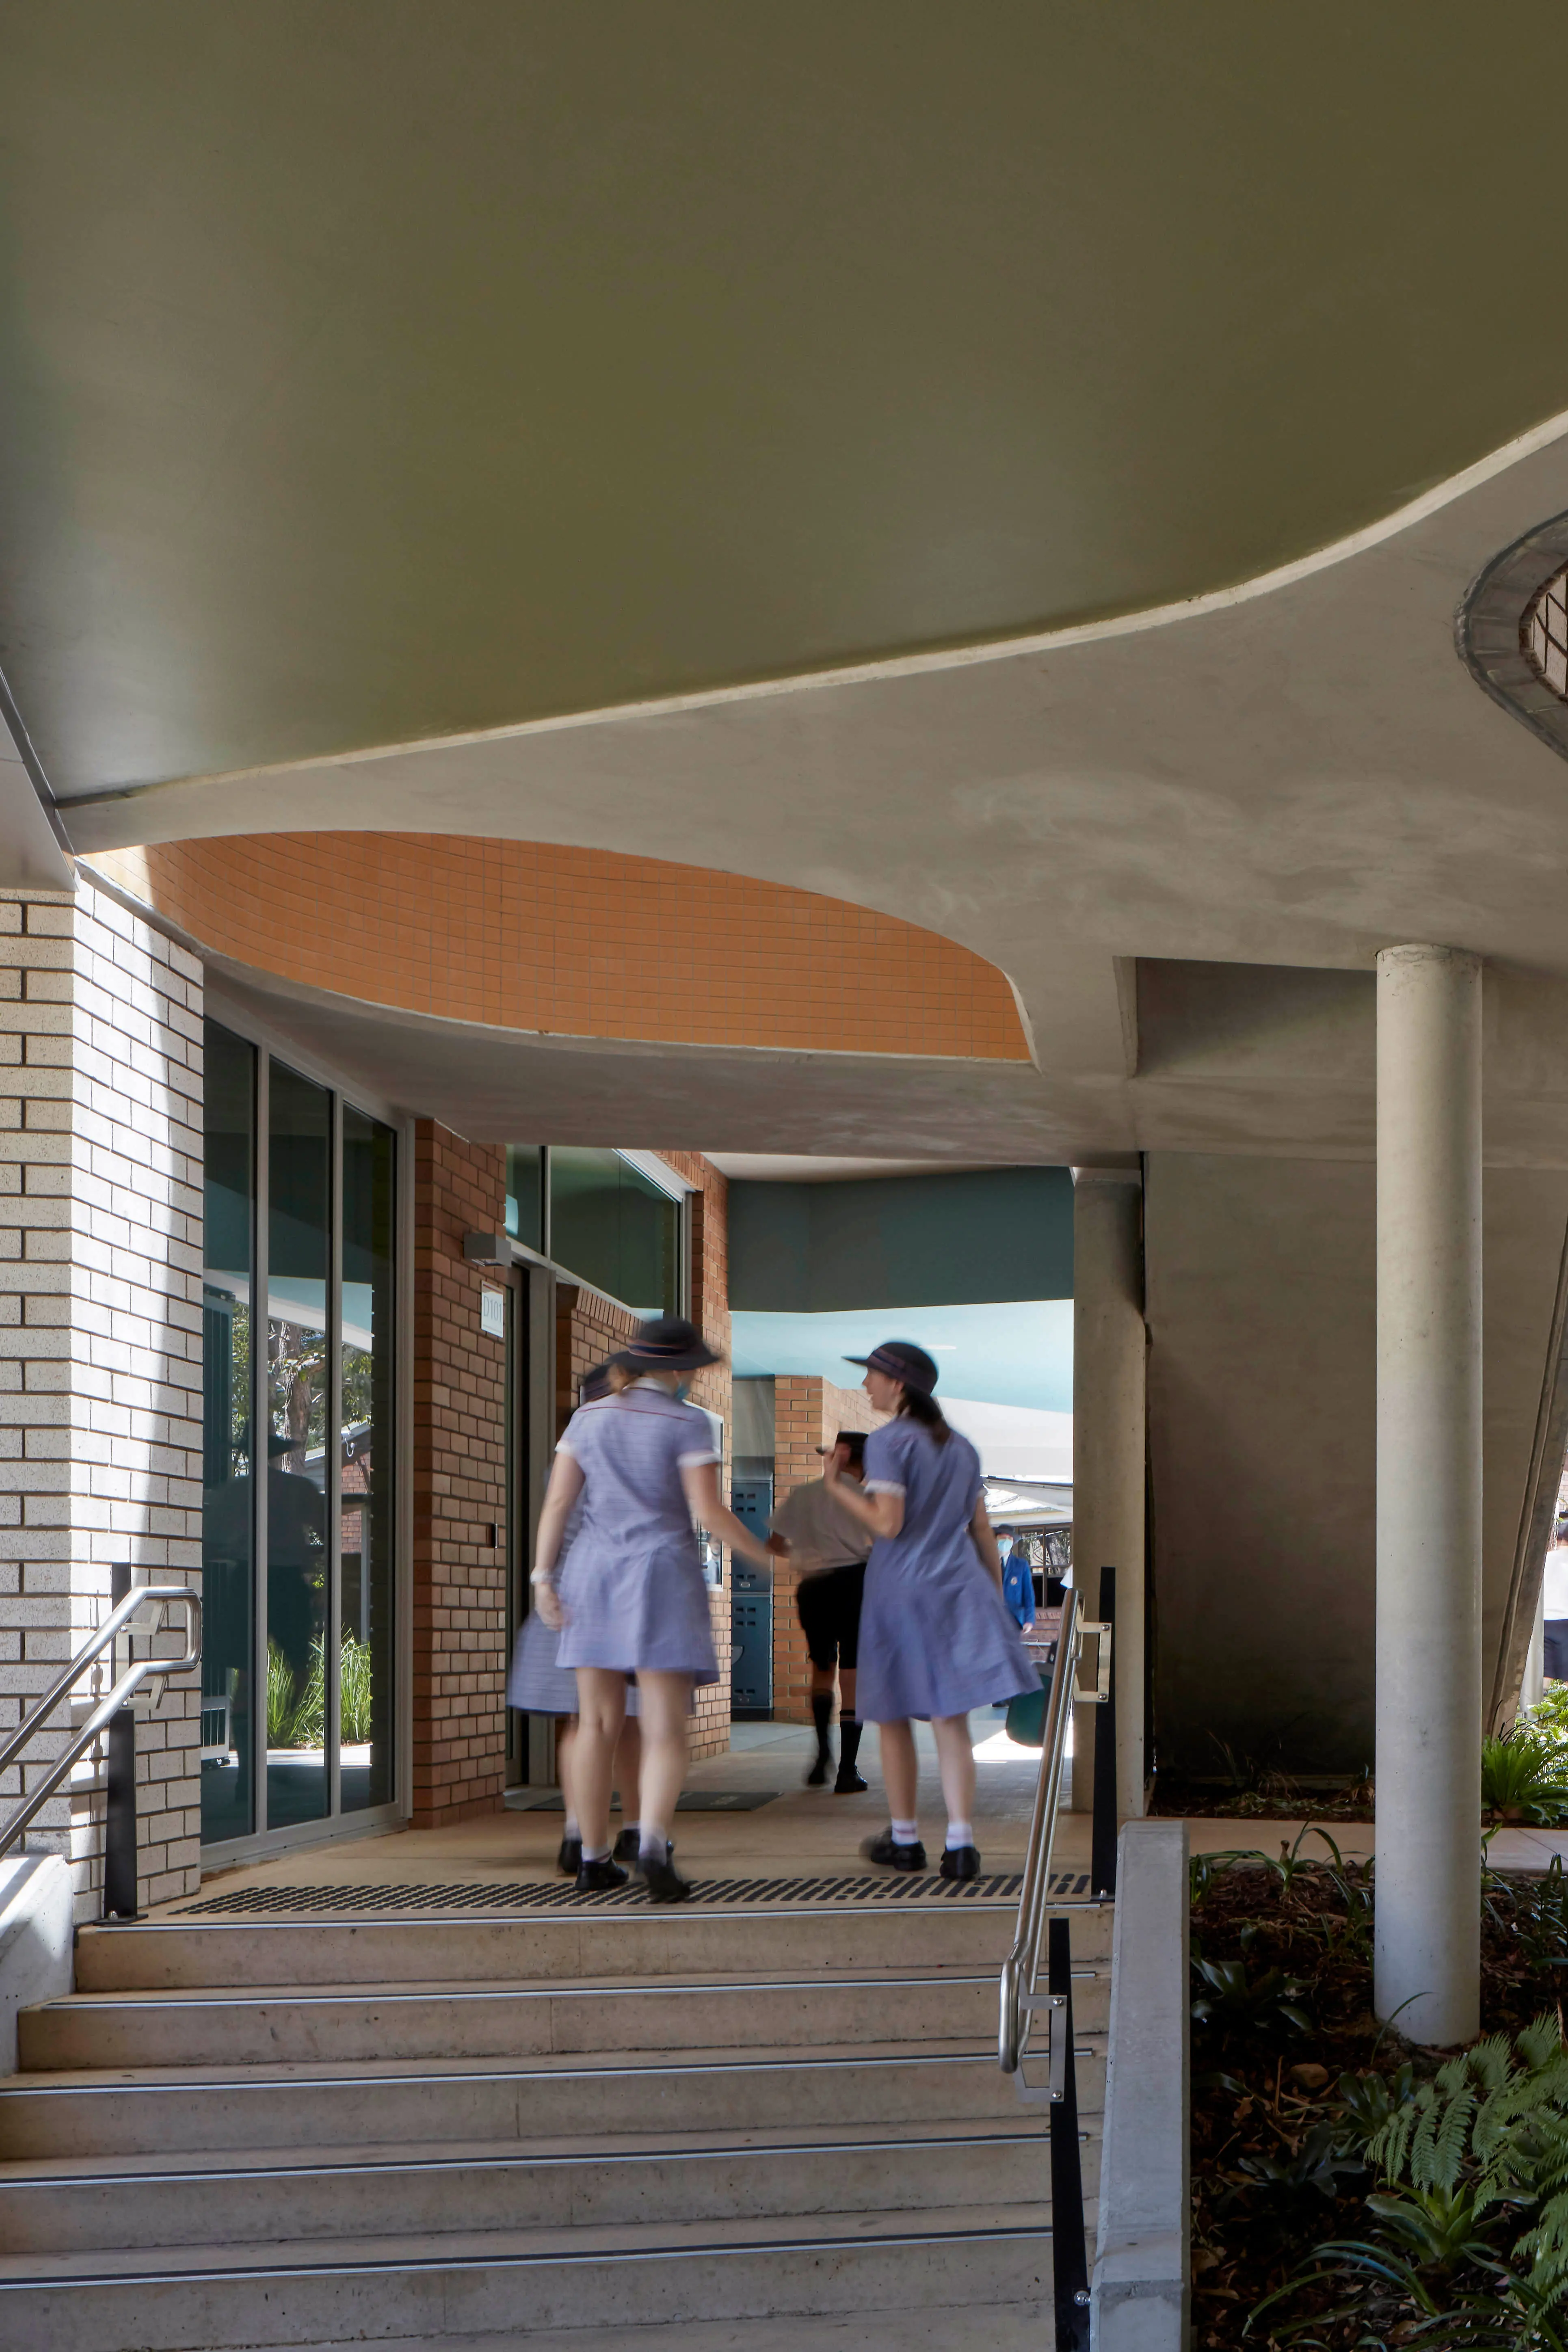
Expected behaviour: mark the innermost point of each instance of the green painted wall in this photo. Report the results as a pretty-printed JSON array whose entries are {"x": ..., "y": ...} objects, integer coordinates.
[{"x": 902, "y": 1240}]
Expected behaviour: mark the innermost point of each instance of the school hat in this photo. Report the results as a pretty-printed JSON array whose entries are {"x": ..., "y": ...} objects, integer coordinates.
[
  {"x": 854, "y": 1439},
  {"x": 668, "y": 1344},
  {"x": 901, "y": 1360}
]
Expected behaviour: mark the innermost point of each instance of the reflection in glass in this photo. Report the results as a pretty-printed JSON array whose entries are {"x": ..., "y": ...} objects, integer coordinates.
[
  {"x": 365, "y": 1456},
  {"x": 228, "y": 1587},
  {"x": 299, "y": 1232},
  {"x": 525, "y": 1193},
  {"x": 614, "y": 1226}
]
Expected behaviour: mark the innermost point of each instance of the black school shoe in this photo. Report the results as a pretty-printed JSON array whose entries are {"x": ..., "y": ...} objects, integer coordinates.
[
  {"x": 960, "y": 1862},
  {"x": 885, "y": 1849},
  {"x": 817, "y": 1776},
  {"x": 662, "y": 1880},
  {"x": 848, "y": 1783},
  {"x": 599, "y": 1877},
  {"x": 569, "y": 1861},
  {"x": 627, "y": 1846}
]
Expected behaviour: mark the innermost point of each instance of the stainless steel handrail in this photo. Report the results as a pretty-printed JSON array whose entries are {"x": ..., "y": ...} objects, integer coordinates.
[
  {"x": 142, "y": 1670},
  {"x": 1021, "y": 1968}
]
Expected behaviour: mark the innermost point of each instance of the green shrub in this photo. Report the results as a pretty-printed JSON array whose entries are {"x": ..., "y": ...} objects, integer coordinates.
[
  {"x": 353, "y": 1692},
  {"x": 295, "y": 1717},
  {"x": 1548, "y": 1719},
  {"x": 1524, "y": 1777}
]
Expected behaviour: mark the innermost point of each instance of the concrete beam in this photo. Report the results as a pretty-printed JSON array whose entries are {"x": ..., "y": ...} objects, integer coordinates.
[
  {"x": 1139, "y": 2295},
  {"x": 1108, "y": 1453}
]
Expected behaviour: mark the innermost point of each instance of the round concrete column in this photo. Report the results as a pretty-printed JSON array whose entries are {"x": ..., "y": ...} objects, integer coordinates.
[
  {"x": 1428, "y": 1491},
  {"x": 1107, "y": 1455}
]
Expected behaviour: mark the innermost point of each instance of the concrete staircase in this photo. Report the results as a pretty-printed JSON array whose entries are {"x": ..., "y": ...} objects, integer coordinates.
[{"x": 409, "y": 2132}]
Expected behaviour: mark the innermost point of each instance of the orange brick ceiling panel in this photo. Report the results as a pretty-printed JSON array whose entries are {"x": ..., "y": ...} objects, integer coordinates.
[{"x": 579, "y": 942}]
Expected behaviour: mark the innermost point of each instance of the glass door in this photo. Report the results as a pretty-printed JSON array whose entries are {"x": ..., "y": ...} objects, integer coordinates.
[{"x": 299, "y": 1678}]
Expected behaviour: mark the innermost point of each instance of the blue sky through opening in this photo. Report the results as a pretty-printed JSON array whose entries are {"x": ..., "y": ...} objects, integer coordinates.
[{"x": 1019, "y": 1353}]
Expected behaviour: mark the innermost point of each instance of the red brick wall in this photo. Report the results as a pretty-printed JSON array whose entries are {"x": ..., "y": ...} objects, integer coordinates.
[
  {"x": 460, "y": 1470},
  {"x": 807, "y": 1411},
  {"x": 459, "y": 1492}
]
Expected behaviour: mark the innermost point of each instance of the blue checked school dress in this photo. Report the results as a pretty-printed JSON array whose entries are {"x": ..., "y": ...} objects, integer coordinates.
[
  {"x": 632, "y": 1588},
  {"x": 537, "y": 1684},
  {"x": 936, "y": 1637}
]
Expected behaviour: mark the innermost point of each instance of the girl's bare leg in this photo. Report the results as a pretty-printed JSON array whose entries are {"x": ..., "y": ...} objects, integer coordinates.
[
  {"x": 664, "y": 1700},
  {"x": 601, "y": 1710},
  {"x": 628, "y": 1771},
  {"x": 956, "y": 1762},
  {"x": 901, "y": 1769}
]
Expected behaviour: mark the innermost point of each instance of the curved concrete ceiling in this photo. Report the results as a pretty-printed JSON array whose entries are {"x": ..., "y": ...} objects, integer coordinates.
[
  {"x": 377, "y": 371},
  {"x": 1286, "y": 778}
]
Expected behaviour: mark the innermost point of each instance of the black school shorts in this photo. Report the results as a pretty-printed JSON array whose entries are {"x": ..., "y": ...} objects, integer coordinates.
[{"x": 829, "y": 1607}]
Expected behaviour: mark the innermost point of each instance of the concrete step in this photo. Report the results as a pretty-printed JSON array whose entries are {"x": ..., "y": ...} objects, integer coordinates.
[
  {"x": 301, "y": 2194},
  {"x": 999, "y": 2326},
  {"x": 179, "y": 1953},
  {"x": 156, "y": 2110},
  {"x": 205, "y": 2299},
  {"x": 342, "y": 2023}
]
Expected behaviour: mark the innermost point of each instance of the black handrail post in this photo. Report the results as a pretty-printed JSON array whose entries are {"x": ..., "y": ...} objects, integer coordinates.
[
  {"x": 1070, "y": 2252},
  {"x": 120, "y": 1788},
  {"x": 1102, "y": 1842}
]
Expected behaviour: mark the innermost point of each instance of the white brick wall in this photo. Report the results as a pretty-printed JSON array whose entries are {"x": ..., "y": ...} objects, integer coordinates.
[{"x": 100, "y": 1332}]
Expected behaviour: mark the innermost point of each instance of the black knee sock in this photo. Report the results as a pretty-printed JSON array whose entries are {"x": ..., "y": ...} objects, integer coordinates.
[
  {"x": 848, "y": 1741},
  {"x": 822, "y": 1715}
]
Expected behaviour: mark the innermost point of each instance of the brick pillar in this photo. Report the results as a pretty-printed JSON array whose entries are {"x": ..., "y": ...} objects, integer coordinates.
[
  {"x": 100, "y": 1337},
  {"x": 459, "y": 1487}
]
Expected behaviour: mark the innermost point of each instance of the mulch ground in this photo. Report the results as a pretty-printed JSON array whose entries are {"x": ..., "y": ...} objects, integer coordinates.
[{"x": 1263, "y": 2084}]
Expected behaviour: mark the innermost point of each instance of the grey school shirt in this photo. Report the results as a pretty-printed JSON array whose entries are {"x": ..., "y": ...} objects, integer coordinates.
[{"x": 819, "y": 1535}]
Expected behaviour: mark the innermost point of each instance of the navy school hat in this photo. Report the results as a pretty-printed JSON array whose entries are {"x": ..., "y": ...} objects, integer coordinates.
[
  {"x": 668, "y": 1344},
  {"x": 901, "y": 1360}
]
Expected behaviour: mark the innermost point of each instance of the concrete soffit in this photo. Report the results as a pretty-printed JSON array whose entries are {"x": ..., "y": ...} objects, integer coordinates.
[{"x": 819, "y": 681}]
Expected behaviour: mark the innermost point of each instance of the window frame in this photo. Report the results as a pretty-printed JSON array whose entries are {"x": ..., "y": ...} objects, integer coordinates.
[{"x": 678, "y": 1189}]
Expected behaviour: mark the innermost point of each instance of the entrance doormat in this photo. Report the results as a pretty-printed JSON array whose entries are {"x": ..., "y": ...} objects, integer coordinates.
[
  {"x": 695, "y": 1800},
  {"x": 503, "y": 1900}
]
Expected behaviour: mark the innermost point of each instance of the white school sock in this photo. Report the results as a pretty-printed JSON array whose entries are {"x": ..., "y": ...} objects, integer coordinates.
[
  {"x": 959, "y": 1833},
  {"x": 652, "y": 1840},
  {"x": 602, "y": 1854},
  {"x": 906, "y": 1832},
  {"x": 573, "y": 1828}
]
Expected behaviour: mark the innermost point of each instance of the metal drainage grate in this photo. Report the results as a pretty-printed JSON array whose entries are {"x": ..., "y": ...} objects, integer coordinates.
[{"x": 251, "y": 1901}]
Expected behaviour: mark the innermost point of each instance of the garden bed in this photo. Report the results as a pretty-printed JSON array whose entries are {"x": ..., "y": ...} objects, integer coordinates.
[{"x": 1293, "y": 2080}]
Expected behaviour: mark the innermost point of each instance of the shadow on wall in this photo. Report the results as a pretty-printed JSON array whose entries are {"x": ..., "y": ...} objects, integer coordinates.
[{"x": 1260, "y": 1298}]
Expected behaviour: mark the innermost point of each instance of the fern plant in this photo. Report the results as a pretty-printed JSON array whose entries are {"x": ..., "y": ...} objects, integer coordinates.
[{"x": 1465, "y": 2159}]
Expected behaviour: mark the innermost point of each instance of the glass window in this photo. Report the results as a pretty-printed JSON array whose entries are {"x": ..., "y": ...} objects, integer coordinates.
[
  {"x": 365, "y": 1687},
  {"x": 227, "y": 1585},
  {"x": 299, "y": 1683},
  {"x": 525, "y": 1194},
  {"x": 298, "y": 1230},
  {"x": 613, "y": 1226}
]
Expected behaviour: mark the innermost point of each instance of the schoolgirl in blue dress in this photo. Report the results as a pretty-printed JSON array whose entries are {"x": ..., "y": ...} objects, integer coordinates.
[
  {"x": 936, "y": 1637},
  {"x": 631, "y": 1598},
  {"x": 539, "y": 1685}
]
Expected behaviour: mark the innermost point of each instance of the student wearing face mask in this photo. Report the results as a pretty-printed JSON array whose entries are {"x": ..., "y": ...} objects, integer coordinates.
[
  {"x": 631, "y": 1598},
  {"x": 935, "y": 1636}
]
